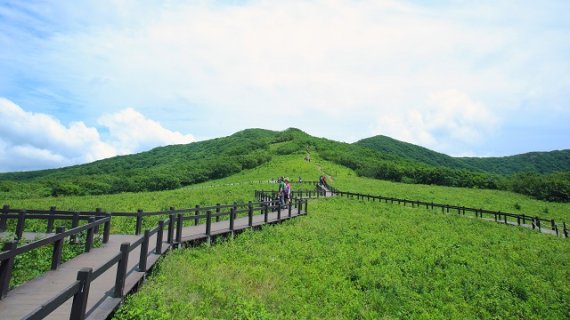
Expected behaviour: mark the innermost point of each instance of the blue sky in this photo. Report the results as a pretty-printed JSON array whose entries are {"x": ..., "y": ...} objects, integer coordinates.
[{"x": 84, "y": 80}]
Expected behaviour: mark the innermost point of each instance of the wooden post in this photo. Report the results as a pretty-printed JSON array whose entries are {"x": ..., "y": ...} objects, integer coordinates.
[
  {"x": 144, "y": 251},
  {"x": 89, "y": 238},
  {"x": 122, "y": 271},
  {"x": 98, "y": 214},
  {"x": 179, "y": 228},
  {"x": 107, "y": 228},
  {"x": 4, "y": 217},
  {"x": 170, "y": 235},
  {"x": 79, "y": 305},
  {"x": 197, "y": 213},
  {"x": 306, "y": 206},
  {"x": 138, "y": 227},
  {"x": 159, "y": 236},
  {"x": 209, "y": 224},
  {"x": 50, "y": 220},
  {"x": 6, "y": 267},
  {"x": 250, "y": 214},
  {"x": 20, "y": 225},
  {"x": 518, "y": 220},
  {"x": 553, "y": 225},
  {"x": 265, "y": 212},
  {"x": 289, "y": 209},
  {"x": 505, "y": 216},
  {"x": 74, "y": 224},
  {"x": 538, "y": 223},
  {"x": 57, "y": 249},
  {"x": 232, "y": 213},
  {"x": 218, "y": 211},
  {"x": 565, "y": 230}
]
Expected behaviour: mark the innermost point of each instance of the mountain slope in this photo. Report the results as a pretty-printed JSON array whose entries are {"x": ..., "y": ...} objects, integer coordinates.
[
  {"x": 539, "y": 162},
  {"x": 172, "y": 167}
]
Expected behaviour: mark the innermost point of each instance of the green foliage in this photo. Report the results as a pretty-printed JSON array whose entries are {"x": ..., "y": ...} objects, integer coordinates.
[
  {"x": 552, "y": 187},
  {"x": 172, "y": 167},
  {"x": 359, "y": 260},
  {"x": 164, "y": 168},
  {"x": 349, "y": 259},
  {"x": 539, "y": 162}
]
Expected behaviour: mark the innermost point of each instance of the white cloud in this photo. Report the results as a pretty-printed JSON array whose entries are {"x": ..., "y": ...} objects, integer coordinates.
[
  {"x": 31, "y": 141},
  {"x": 131, "y": 132},
  {"x": 449, "y": 118}
]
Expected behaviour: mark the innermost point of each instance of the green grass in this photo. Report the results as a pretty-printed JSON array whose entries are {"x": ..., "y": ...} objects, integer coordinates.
[
  {"x": 359, "y": 260},
  {"x": 349, "y": 259},
  {"x": 498, "y": 200}
]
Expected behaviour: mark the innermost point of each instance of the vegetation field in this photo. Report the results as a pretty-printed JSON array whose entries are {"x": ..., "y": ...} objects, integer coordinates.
[
  {"x": 346, "y": 180},
  {"x": 348, "y": 259},
  {"x": 351, "y": 259}
]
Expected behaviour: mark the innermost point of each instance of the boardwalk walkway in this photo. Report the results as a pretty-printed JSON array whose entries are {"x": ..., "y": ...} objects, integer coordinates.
[{"x": 26, "y": 298}]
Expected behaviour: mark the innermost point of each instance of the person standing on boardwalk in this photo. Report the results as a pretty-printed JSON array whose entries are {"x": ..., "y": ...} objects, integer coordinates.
[
  {"x": 281, "y": 191},
  {"x": 287, "y": 193}
]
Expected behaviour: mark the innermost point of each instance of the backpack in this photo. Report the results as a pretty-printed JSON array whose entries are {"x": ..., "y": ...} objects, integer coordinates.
[{"x": 287, "y": 189}]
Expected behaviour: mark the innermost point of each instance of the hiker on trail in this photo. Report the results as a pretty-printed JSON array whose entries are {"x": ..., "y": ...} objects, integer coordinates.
[
  {"x": 300, "y": 180},
  {"x": 287, "y": 193},
  {"x": 325, "y": 181},
  {"x": 281, "y": 191}
]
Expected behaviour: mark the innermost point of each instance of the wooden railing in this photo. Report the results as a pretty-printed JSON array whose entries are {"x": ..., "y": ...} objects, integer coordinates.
[
  {"x": 51, "y": 216},
  {"x": 173, "y": 225},
  {"x": 498, "y": 216},
  {"x": 79, "y": 289},
  {"x": 11, "y": 249}
]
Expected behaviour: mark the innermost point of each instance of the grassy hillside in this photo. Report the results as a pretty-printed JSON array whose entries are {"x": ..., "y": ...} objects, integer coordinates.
[
  {"x": 350, "y": 259},
  {"x": 241, "y": 186},
  {"x": 402, "y": 149},
  {"x": 538, "y": 162},
  {"x": 360, "y": 260},
  {"x": 173, "y": 167}
]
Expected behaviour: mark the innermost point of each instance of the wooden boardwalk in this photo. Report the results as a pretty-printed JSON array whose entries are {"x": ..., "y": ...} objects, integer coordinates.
[{"x": 26, "y": 298}]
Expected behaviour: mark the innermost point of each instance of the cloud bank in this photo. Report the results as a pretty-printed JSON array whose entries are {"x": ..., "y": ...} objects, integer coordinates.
[
  {"x": 30, "y": 141},
  {"x": 480, "y": 77}
]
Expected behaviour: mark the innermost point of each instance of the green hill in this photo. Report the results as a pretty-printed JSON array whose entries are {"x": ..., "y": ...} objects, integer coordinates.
[
  {"x": 406, "y": 150},
  {"x": 538, "y": 162},
  {"x": 348, "y": 258},
  {"x": 172, "y": 167}
]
